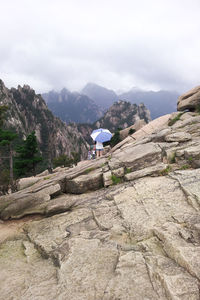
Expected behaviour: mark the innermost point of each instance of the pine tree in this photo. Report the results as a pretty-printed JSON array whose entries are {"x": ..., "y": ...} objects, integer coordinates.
[
  {"x": 6, "y": 139},
  {"x": 28, "y": 157}
]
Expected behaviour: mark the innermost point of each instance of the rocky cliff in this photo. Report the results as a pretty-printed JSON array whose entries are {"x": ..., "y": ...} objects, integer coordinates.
[
  {"x": 123, "y": 114},
  {"x": 124, "y": 226},
  {"x": 28, "y": 112}
]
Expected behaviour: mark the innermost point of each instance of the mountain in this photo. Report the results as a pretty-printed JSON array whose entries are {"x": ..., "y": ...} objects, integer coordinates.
[
  {"x": 28, "y": 112},
  {"x": 159, "y": 103},
  {"x": 124, "y": 226},
  {"x": 101, "y": 95},
  {"x": 121, "y": 114},
  {"x": 72, "y": 107}
]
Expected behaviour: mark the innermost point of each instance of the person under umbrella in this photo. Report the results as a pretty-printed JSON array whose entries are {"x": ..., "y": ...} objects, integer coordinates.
[{"x": 100, "y": 136}]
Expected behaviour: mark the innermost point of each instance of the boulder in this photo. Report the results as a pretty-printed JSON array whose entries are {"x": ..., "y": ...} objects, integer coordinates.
[
  {"x": 84, "y": 183},
  {"x": 150, "y": 171},
  {"x": 189, "y": 100},
  {"x": 26, "y": 182},
  {"x": 178, "y": 137},
  {"x": 136, "y": 157}
]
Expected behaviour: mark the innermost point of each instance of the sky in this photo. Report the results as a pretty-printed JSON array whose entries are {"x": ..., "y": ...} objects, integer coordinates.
[{"x": 119, "y": 44}]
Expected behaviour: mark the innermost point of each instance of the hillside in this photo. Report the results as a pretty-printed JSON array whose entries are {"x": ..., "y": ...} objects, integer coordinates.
[
  {"x": 124, "y": 226},
  {"x": 28, "y": 112}
]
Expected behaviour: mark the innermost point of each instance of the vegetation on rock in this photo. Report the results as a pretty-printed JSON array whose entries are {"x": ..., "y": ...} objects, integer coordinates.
[{"x": 28, "y": 157}]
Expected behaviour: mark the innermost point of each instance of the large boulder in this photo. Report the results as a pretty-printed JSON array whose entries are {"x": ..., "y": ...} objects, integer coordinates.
[{"x": 189, "y": 100}]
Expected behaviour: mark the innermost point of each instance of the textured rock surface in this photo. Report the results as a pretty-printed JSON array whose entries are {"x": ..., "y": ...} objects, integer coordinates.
[
  {"x": 189, "y": 100},
  {"x": 139, "y": 239}
]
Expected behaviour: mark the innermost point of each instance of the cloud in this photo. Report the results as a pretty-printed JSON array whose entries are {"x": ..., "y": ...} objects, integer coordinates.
[{"x": 152, "y": 44}]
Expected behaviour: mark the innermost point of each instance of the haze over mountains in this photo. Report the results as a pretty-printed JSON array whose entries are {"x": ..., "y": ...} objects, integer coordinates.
[
  {"x": 90, "y": 104},
  {"x": 159, "y": 103}
]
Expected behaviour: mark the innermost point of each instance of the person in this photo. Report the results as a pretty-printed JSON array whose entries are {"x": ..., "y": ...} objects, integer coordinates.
[
  {"x": 93, "y": 152},
  {"x": 89, "y": 155},
  {"x": 99, "y": 148}
]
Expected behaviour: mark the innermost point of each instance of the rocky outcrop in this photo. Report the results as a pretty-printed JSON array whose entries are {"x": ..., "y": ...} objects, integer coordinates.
[
  {"x": 189, "y": 100},
  {"x": 123, "y": 114},
  {"x": 28, "y": 112},
  {"x": 135, "y": 238}
]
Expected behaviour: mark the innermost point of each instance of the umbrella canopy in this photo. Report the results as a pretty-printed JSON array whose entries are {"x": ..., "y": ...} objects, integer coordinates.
[{"x": 101, "y": 135}]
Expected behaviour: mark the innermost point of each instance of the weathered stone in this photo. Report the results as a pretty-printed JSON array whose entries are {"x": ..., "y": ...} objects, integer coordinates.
[
  {"x": 84, "y": 183},
  {"x": 137, "y": 157},
  {"x": 17, "y": 206},
  {"x": 178, "y": 137},
  {"x": 118, "y": 172},
  {"x": 26, "y": 182},
  {"x": 131, "y": 280},
  {"x": 193, "y": 152},
  {"x": 160, "y": 136},
  {"x": 135, "y": 240},
  {"x": 107, "y": 178},
  {"x": 154, "y": 170},
  {"x": 189, "y": 100}
]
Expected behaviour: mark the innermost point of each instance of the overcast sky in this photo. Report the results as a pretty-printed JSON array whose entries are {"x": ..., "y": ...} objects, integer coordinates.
[{"x": 51, "y": 44}]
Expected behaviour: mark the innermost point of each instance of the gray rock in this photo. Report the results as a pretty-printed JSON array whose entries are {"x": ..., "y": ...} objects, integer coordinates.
[
  {"x": 118, "y": 172},
  {"x": 84, "y": 183},
  {"x": 154, "y": 170},
  {"x": 107, "y": 178},
  {"x": 137, "y": 157},
  {"x": 189, "y": 100},
  {"x": 178, "y": 137},
  {"x": 26, "y": 182}
]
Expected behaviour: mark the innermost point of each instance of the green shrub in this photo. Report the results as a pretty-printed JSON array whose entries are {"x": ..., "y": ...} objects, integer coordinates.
[
  {"x": 131, "y": 131},
  {"x": 115, "y": 179},
  {"x": 198, "y": 109},
  {"x": 166, "y": 170},
  {"x": 190, "y": 158},
  {"x": 127, "y": 170},
  {"x": 46, "y": 178},
  {"x": 62, "y": 160},
  {"x": 174, "y": 120},
  {"x": 172, "y": 158},
  {"x": 185, "y": 167},
  {"x": 87, "y": 171},
  {"x": 115, "y": 138}
]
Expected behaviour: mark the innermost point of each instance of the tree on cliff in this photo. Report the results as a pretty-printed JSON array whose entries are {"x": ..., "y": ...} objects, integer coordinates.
[
  {"x": 6, "y": 139},
  {"x": 28, "y": 156}
]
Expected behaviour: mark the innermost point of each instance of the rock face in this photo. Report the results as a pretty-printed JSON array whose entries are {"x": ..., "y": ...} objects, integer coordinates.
[
  {"x": 136, "y": 238},
  {"x": 28, "y": 112},
  {"x": 123, "y": 114},
  {"x": 189, "y": 100}
]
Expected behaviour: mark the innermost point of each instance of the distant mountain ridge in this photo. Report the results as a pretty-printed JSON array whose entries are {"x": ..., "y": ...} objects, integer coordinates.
[
  {"x": 100, "y": 95},
  {"x": 91, "y": 103},
  {"x": 159, "y": 103},
  {"x": 72, "y": 106}
]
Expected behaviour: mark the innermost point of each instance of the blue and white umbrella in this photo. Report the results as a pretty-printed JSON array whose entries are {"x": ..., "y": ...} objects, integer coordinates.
[{"x": 101, "y": 135}]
